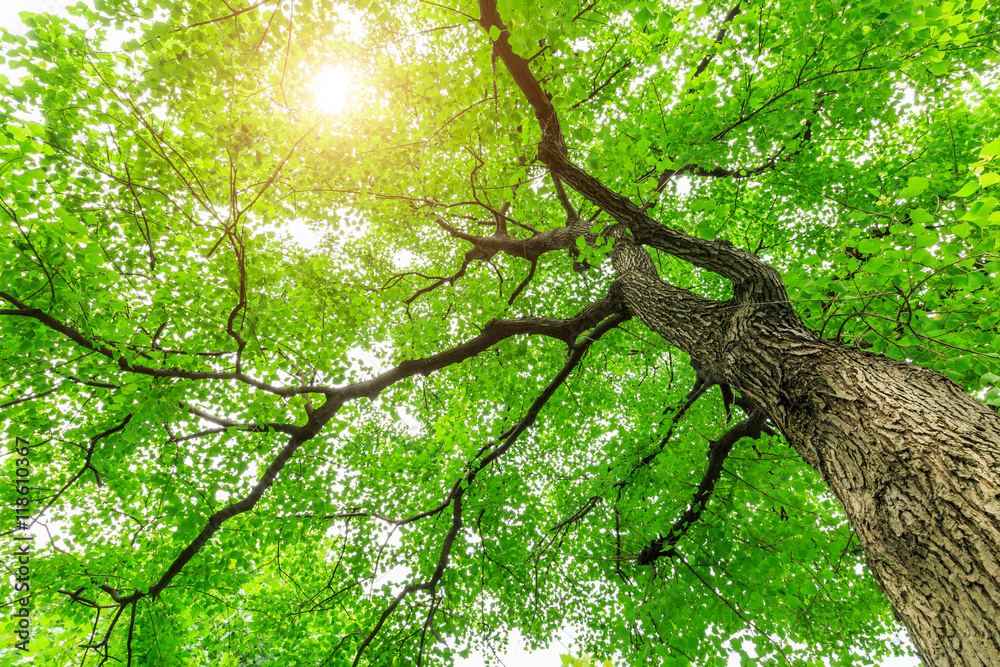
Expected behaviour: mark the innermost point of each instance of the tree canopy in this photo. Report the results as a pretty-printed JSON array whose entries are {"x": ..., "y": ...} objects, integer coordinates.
[{"x": 437, "y": 423}]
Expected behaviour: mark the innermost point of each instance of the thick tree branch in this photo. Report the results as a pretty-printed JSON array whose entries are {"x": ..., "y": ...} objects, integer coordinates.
[
  {"x": 212, "y": 526},
  {"x": 526, "y": 81},
  {"x": 531, "y": 248},
  {"x": 560, "y": 238},
  {"x": 607, "y": 310},
  {"x": 717, "y": 256},
  {"x": 124, "y": 364},
  {"x": 693, "y": 323},
  {"x": 566, "y": 330}
]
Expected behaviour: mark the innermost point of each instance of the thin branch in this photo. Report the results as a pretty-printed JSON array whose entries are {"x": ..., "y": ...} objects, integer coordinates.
[
  {"x": 736, "y": 611},
  {"x": 25, "y": 399},
  {"x": 87, "y": 465},
  {"x": 232, "y": 15},
  {"x": 579, "y": 350},
  {"x": 719, "y": 36},
  {"x": 288, "y": 429},
  {"x": 717, "y": 453}
]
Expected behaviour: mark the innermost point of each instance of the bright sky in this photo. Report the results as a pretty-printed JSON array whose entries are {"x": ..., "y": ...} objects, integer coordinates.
[
  {"x": 9, "y": 9},
  {"x": 516, "y": 656}
]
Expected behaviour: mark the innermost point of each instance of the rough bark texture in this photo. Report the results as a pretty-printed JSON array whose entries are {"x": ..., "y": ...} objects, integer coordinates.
[
  {"x": 912, "y": 458},
  {"x": 915, "y": 462}
]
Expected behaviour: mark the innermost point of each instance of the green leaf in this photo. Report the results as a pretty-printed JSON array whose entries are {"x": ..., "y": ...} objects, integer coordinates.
[
  {"x": 869, "y": 246},
  {"x": 968, "y": 189},
  {"x": 939, "y": 68},
  {"x": 917, "y": 183},
  {"x": 991, "y": 149},
  {"x": 961, "y": 230}
]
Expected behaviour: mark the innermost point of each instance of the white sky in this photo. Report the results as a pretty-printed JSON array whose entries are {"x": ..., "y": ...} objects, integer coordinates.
[
  {"x": 9, "y": 9},
  {"x": 516, "y": 655}
]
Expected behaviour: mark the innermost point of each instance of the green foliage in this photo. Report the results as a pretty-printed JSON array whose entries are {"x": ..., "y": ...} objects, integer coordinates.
[
  {"x": 158, "y": 159},
  {"x": 916, "y": 285}
]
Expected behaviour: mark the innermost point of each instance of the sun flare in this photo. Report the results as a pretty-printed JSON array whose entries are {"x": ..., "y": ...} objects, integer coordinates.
[{"x": 333, "y": 88}]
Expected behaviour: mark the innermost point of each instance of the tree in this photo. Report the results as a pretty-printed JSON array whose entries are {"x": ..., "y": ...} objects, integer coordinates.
[{"x": 543, "y": 244}]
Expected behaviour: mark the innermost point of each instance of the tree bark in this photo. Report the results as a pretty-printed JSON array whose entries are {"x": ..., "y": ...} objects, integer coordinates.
[
  {"x": 912, "y": 458},
  {"x": 915, "y": 463}
]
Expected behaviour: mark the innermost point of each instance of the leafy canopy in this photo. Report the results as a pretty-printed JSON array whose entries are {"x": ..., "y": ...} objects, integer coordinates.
[{"x": 234, "y": 421}]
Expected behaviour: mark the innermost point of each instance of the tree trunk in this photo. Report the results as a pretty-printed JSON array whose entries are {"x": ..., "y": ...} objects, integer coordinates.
[
  {"x": 915, "y": 463},
  {"x": 912, "y": 458}
]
